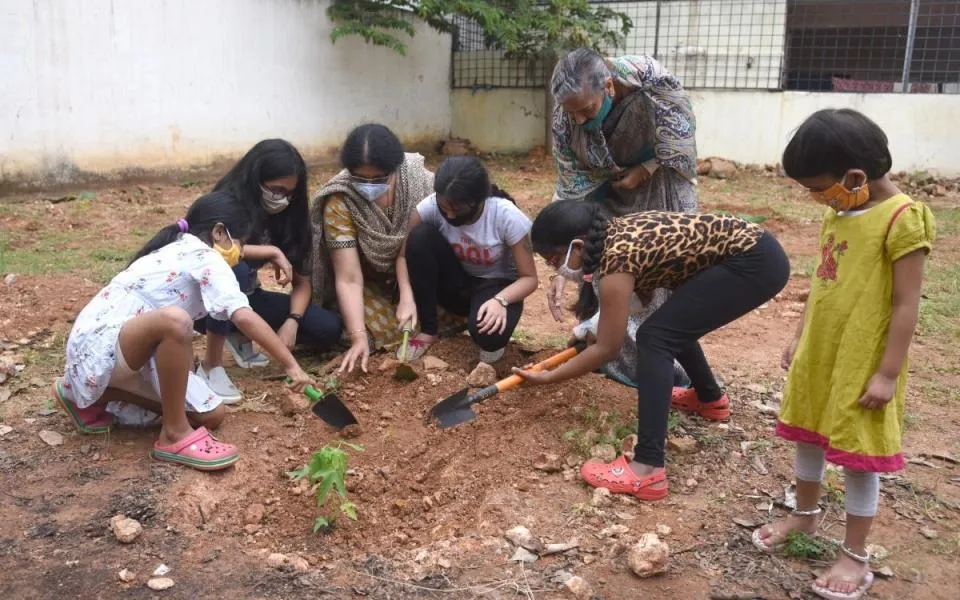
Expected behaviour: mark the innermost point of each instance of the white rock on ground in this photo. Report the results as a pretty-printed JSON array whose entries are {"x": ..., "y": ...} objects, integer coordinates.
[
  {"x": 649, "y": 556},
  {"x": 521, "y": 536},
  {"x": 523, "y": 555},
  {"x": 52, "y": 438},
  {"x": 284, "y": 561},
  {"x": 604, "y": 452},
  {"x": 547, "y": 462},
  {"x": 601, "y": 497},
  {"x": 127, "y": 576},
  {"x": 482, "y": 376},
  {"x": 161, "y": 570},
  {"x": 579, "y": 587},
  {"x": 158, "y": 584},
  {"x": 125, "y": 529},
  {"x": 432, "y": 363}
]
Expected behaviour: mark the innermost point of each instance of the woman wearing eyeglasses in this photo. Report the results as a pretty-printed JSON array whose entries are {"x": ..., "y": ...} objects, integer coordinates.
[
  {"x": 271, "y": 180},
  {"x": 360, "y": 220}
]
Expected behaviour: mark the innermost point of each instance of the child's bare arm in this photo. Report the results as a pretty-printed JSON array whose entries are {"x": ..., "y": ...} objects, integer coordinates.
[{"x": 907, "y": 283}]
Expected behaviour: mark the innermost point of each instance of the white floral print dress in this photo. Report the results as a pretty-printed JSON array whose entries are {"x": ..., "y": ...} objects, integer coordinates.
[{"x": 187, "y": 274}]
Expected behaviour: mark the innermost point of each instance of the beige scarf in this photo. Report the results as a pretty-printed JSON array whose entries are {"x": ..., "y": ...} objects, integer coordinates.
[{"x": 379, "y": 236}]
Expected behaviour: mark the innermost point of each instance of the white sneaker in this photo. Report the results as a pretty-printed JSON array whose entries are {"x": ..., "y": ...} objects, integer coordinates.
[
  {"x": 243, "y": 352},
  {"x": 493, "y": 356},
  {"x": 219, "y": 383}
]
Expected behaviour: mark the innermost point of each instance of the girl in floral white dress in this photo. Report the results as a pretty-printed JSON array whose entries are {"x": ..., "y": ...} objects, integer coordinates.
[{"x": 131, "y": 346}]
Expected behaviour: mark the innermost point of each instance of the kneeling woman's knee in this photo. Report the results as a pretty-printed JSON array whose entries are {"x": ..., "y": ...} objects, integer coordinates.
[
  {"x": 211, "y": 419},
  {"x": 178, "y": 323},
  {"x": 421, "y": 238}
]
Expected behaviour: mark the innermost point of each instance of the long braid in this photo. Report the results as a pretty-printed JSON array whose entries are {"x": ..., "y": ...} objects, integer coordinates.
[{"x": 588, "y": 303}]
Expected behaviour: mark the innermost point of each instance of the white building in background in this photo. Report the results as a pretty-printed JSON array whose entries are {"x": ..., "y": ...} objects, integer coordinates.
[
  {"x": 110, "y": 87},
  {"x": 115, "y": 86}
]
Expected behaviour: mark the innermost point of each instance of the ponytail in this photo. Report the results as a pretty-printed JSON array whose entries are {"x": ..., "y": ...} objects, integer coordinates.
[
  {"x": 203, "y": 215},
  {"x": 165, "y": 236},
  {"x": 500, "y": 193},
  {"x": 588, "y": 304}
]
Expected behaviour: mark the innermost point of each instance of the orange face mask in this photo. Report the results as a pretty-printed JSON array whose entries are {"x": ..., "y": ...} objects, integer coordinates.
[{"x": 839, "y": 198}]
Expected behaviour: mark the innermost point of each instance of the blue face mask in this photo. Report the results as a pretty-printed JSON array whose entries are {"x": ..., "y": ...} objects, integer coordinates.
[
  {"x": 371, "y": 191},
  {"x": 597, "y": 121}
]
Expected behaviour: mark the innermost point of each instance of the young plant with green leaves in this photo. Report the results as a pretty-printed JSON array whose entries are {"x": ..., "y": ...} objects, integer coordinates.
[{"x": 326, "y": 471}]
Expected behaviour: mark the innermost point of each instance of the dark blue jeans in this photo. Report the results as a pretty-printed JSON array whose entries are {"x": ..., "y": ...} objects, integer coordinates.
[{"x": 320, "y": 328}]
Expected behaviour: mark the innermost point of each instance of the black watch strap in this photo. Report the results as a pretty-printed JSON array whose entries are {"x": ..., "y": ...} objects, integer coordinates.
[{"x": 295, "y": 317}]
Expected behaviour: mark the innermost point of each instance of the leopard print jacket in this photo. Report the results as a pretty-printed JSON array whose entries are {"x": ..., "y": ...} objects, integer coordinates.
[{"x": 665, "y": 249}]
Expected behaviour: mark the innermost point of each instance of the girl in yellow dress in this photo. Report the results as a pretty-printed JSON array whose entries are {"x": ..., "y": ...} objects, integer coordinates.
[{"x": 844, "y": 400}]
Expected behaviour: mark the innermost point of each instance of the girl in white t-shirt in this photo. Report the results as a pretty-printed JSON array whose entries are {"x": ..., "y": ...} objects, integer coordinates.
[
  {"x": 130, "y": 350},
  {"x": 469, "y": 251}
]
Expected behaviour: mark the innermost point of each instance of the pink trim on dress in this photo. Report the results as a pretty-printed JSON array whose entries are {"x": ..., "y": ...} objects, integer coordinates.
[{"x": 857, "y": 462}]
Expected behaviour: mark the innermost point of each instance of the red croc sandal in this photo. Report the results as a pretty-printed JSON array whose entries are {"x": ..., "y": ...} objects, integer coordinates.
[
  {"x": 92, "y": 420},
  {"x": 685, "y": 400},
  {"x": 199, "y": 450},
  {"x": 620, "y": 479}
]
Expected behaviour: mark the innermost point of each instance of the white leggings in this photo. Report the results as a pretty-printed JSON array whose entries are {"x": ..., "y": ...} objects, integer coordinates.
[{"x": 862, "y": 492}]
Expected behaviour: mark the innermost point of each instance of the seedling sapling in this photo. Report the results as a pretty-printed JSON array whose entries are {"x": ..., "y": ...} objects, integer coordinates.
[{"x": 326, "y": 470}]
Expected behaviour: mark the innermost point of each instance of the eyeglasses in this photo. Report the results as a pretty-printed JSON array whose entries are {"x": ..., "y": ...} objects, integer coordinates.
[{"x": 358, "y": 179}]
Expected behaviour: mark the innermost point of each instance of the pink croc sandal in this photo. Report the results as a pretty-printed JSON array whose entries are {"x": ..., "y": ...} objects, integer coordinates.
[
  {"x": 620, "y": 479},
  {"x": 685, "y": 400},
  {"x": 199, "y": 450},
  {"x": 92, "y": 420}
]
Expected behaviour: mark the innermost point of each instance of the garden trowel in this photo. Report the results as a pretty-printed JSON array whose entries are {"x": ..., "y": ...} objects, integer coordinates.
[
  {"x": 458, "y": 408},
  {"x": 329, "y": 407}
]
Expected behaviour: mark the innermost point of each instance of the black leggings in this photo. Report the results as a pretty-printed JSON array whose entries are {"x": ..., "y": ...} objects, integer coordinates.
[
  {"x": 437, "y": 276},
  {"x": 320, "y": 328},
  {"x": 711, "y": 299}
]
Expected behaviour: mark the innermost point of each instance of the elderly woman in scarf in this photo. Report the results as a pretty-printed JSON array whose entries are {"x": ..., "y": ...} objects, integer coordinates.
[
  {"x": 623, "y": 135},
  {"x": 360, "y": 220}
]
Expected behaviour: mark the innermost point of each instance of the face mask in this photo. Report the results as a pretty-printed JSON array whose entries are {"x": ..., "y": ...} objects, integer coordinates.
[
  {"x": 232, "y": 254},
  {"x": 839, "y": 198},
  {"x": 597, "y": 121},
  {"x": 273, "y": 202},
  {"x": 575, "y": 275},
  {"x": 371, "y": 191},
  {"x": 464, "y": 219}
]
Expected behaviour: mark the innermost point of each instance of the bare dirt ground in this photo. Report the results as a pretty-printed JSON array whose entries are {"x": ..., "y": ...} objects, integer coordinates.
[{"x": 434, "y": 505}]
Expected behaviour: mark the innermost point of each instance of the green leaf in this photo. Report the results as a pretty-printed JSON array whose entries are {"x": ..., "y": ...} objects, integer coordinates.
[
  {"x": 324, "y": 490},
  {"x": 299, "y": 473},
  {"x": 320, "y": 523},
  {"x": 349, "y": 509}
]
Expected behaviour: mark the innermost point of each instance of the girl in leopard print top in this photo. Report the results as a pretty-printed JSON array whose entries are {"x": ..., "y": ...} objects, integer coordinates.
[{"x": 719, "y": 269}]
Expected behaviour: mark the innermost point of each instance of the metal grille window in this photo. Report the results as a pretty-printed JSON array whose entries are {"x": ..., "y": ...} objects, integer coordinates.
[{"x": 816, "y": 45}]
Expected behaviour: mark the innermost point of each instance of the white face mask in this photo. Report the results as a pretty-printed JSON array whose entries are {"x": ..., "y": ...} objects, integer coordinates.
[
  {"x": 371, "y": 191},
  {"x": 575, "y": 275},
  {"x": 273, "y": 202}
]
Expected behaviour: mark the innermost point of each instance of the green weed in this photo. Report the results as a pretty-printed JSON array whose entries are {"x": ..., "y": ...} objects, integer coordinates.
[{"x": 803, "y": 545}]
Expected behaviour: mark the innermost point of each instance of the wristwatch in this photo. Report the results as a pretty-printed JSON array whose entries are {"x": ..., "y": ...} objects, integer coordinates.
[
  {"x": 503, "y": 301},
  {"x": 295, "y": 317}
]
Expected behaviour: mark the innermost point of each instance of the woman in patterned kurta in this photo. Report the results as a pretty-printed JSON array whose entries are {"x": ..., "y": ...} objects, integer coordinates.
[
  {"x": 360, "y": 220},
  {"x": 623, "y": 135},
  {"x": 130, "y": 349}
]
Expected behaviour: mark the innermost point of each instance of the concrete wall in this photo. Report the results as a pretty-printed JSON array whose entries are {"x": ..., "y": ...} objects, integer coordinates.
[
  {"x": 499, "y": 120},
  {"x": 745, "y": 126},
  {"x": 753, "y": 127},
  {"x": 102, "y": 85}
]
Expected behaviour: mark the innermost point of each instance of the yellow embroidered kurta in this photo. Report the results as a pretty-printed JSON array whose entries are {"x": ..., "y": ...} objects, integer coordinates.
[{"x": 845, "y": 335}]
